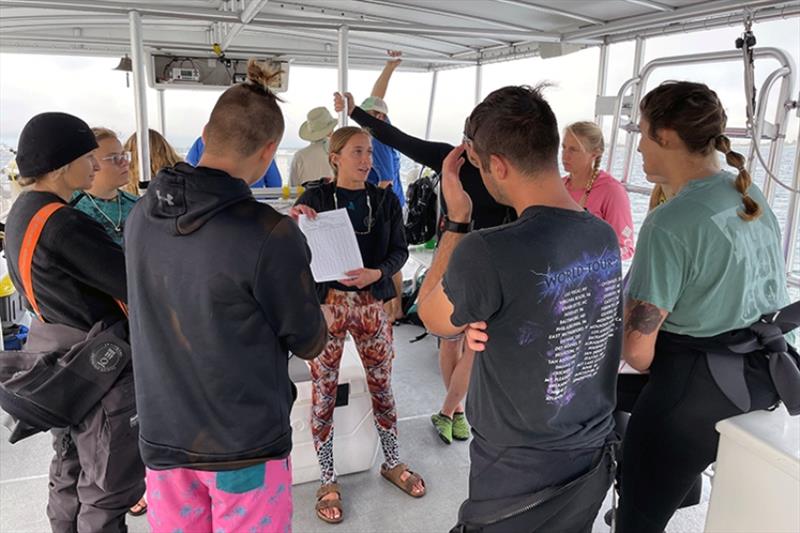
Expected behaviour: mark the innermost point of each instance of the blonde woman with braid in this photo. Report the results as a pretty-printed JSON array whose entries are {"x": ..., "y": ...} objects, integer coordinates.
[
  {"x": 596, "y": 190},
  {"x": 708, "y": 266}
]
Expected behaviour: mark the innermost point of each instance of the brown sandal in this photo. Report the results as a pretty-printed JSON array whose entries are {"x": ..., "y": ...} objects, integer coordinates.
[
  {"x": 407, "y": 486},
  {"x": 329, "y": 504}
]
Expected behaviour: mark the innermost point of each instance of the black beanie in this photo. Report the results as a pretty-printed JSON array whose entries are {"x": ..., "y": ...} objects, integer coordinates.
[{"x": 51, "y": 140}]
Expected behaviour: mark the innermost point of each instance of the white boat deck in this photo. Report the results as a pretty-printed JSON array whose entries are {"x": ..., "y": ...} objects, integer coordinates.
[{"x": 370, "y": 503}]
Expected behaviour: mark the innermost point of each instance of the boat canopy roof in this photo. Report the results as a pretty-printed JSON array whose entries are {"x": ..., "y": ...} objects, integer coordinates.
[{"x": 432, "y": 35}]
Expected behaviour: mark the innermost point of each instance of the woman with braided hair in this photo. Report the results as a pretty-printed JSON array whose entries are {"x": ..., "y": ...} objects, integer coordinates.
[
  {"x": 596, "y": 190},
  {"x": 708, "y": 265}
]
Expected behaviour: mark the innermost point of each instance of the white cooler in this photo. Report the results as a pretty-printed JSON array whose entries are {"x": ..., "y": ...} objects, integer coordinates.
[
  {"x": 756, "y": 483},
  {"x": 355, "y": 439}
]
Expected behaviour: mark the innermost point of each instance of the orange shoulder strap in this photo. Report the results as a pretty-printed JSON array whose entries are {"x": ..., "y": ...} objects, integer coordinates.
[{"x": 29, "y": 242}]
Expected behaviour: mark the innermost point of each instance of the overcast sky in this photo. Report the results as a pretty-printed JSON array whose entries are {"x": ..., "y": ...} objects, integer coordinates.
[{"x": 89, "y": 88}]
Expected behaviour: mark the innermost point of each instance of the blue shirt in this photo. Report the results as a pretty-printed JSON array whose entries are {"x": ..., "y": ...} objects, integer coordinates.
[
  {"x": 386, "y": 167},
  {"x": 272, "y": 178}
]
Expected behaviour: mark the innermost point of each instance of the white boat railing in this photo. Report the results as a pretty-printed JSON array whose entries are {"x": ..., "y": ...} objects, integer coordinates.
[{"x": 626, "y": 115}]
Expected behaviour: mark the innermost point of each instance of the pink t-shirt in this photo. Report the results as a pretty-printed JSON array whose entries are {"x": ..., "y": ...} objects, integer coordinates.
[{"x": 609, "y": 201}]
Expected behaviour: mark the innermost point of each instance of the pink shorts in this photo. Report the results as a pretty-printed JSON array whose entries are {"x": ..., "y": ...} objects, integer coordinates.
[{"x": 255, "y": 499}]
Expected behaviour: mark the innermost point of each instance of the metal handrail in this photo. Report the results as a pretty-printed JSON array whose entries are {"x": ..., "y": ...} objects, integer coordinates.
[
  {"x": 761, "y": 111},
  {"x": 793, "y": 221},
  {"x": 776, "y": 146},
  {"x": 707, "y": 57},
  {"x": 785, "y": 73},
  {"x": 615, "y": 126}
]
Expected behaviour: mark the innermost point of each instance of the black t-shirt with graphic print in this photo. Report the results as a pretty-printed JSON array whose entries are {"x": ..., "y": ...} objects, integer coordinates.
[{"x": 549, "y": 287}]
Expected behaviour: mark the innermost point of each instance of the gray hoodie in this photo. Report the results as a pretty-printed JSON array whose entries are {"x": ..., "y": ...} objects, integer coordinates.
[{"x": 220, "y": 290}]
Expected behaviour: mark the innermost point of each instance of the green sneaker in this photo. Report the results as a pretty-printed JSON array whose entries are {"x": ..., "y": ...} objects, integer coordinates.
[
  {"x": 460, "y": 427},
  {"x": 444, "y": 427}
]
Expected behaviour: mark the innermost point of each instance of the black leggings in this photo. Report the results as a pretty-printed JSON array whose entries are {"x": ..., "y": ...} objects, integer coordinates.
[
  {"x": 671, "y": 436},
  {"x": 629, "y": 387}
]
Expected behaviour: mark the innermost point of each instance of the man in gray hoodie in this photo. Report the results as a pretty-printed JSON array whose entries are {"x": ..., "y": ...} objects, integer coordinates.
[{"x": 220, "y": 290}]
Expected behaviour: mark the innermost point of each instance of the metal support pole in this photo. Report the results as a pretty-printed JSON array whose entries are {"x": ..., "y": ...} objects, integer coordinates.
[
  {"x": 602, "y": 78},
  {"x": 638, "y": 55},
  {"x": 140, "y": 95},
  {"x": 162, "y": 113},
  {"x": 760, "y": 114},
  {"x": 793, "y": 216},
  {"x": 478, "y": 82},
  {"x": 630, "y": 140},
  {"x": 343, "y": 67},
  {"x": 615, "y": 123},
  {"x": 776, "y": 144},
  {"x": 429, "y": 124}
]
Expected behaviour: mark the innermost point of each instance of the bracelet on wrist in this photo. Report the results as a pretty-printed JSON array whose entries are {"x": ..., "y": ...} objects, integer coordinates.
[{"x": 457, "y": 227}]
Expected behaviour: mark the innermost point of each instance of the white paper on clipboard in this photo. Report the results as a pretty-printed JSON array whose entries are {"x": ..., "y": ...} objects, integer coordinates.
[{"x": 334, "y": 248}]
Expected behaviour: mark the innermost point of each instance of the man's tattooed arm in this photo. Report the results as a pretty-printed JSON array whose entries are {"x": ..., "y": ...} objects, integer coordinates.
[{"x": 642, "y": 322}]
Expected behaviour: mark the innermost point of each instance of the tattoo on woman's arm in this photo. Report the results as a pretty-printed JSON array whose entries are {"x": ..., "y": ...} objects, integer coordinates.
[{"x": 642, "y": 317}]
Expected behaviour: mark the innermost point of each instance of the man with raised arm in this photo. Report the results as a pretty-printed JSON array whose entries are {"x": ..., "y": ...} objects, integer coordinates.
[
  {"x": 385, "y": 170},
  {"x": 542, "y": 296}
]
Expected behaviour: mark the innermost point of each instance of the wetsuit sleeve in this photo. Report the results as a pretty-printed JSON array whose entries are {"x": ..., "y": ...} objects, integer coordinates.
[
  {"x": 471, "y": 282},
  {"x": 661, "y": 268},
  {"x": 89, "y": 255},
  {"x": 618, "y": 214},
  {"x": 398, "y": 247},
  {"x": 430, "y": 154},
  {"x": 285, "y": 290}
]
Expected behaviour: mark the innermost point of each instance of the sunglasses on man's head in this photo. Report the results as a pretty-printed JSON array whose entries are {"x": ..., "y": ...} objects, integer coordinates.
[{"x": 467, "y": 138}]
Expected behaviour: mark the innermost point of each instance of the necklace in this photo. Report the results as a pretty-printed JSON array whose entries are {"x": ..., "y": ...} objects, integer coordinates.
[
  {"x": 118, "y": 226},
  {"x": 588, "y": 187},
  {"x": 367, "y": 221}
]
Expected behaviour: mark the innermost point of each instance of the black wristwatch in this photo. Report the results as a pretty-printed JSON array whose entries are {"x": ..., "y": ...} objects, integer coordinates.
[{"x": 457, "y": 227}]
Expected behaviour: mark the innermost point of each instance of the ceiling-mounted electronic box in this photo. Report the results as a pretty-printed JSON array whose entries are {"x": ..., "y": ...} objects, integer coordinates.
[{"x": 176, "y": 72}]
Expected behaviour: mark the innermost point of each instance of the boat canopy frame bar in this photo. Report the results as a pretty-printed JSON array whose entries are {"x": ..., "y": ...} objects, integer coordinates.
[{"x": 509, "y": 40}]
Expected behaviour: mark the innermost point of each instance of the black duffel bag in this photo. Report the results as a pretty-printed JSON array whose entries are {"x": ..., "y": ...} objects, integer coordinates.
[{"x": 40, "y": 391}]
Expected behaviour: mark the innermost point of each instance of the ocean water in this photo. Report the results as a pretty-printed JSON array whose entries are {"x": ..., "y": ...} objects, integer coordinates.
[{"x": 639, "y": 202}]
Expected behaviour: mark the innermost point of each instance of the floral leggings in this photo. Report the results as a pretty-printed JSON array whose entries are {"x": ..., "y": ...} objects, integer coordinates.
[{"x": 359, "y": 313}]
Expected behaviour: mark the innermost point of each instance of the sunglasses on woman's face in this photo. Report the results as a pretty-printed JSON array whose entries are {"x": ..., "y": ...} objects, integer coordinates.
[{"x": 118, "y": 159}]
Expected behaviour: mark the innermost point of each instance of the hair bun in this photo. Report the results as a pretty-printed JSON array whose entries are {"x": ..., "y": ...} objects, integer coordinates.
[{"x": 263, "y": 75}]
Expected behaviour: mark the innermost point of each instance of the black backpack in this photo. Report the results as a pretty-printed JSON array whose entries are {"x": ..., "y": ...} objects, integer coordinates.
[{"x": 422, "y": 210}]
